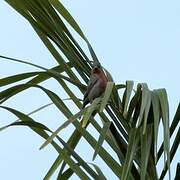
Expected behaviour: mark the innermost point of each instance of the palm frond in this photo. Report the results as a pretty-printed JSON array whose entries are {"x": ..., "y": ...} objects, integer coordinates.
[{"x": 130, "y": 121}]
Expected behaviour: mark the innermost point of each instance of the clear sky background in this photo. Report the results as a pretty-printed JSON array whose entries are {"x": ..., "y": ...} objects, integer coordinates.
[{"x": 135, "y": 40}]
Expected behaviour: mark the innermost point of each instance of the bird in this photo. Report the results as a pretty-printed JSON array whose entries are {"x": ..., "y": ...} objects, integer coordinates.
[{"x": 96, "y": 85}]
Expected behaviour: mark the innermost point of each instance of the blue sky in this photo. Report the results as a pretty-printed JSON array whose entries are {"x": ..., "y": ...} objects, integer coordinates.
[{"x": 135, "y": 40}]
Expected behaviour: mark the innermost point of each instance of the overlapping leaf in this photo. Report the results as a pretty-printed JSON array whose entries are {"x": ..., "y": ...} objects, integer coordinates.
[{"x": 145, "y": 109}]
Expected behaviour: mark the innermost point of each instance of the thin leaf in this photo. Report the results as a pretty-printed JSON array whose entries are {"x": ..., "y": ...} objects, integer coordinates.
[
  {"x": 133, "y": 103},
  {"x": 63, "y": 11},
  {"x": 79, "y": 159},
  {"x": 66, "y": 175},
  {"x": 172, "y": 153},
  {"x": 175, "y": 121},
  {"x": 156, "y": 114},
  {"x": 101, "y": 139},
  {"x": 116, "y": 101},
  {"x": 89, "y": 111},
  {"x": 109, "y": 160},
  {"x": 107, "y": 95},
  {"x": 120, "y": 86},
  {"x": 74, "y": 166},
  {"x": 174, "y": 124},
  {"x": 64, "y": 125},
  {"x": 12, "y": 79},
  {"x": 93, "y": 54},
  {"x": 126, "y": 96},
  {"x": 145, "y": 96},
  {"x": 23, "y": 62},
  {"x": 33, "y": 124},
  {"x": 165, "y": 118},
  {"x": 132, "y": 147},
  {"x": 177, "y": 172},
  {"x": 146, "y": 111},
  {"x": 134, "y": 174},
  {"x": 26, "y": 118},
  {"x": 53, "y": 168},
  {"x": 123, "y": 127},
  {"x": 36, "y": 110},
  {"x": 100, "y": 173},
  {"x": 50, "y": 72},
  {"x": 146, "y": 141}
]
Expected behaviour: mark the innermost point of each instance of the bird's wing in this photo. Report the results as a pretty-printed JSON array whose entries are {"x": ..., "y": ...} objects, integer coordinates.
[{"x": 91, "y": 83}]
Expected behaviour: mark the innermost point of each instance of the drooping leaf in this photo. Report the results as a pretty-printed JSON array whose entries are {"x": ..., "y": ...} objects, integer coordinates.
[
  {"x": 147, "y": 111},
  {"x": 165, "y": 118},
  {"x": 115, "y": 98},
  {"x": 146, "y": 142},
  {"x": 33, "y": 124},
  {"x": 12, "y": 79},
  {"x": 32, "y": 112},
  {"x": 49, "y": 72},
  {"x": 144, "y": 102},
  {"x": 133, "y": 103},
  {"x": 126, "y": 96},
  {"x": 23, "y": 117},
  {"x": 156, "y": 114}
]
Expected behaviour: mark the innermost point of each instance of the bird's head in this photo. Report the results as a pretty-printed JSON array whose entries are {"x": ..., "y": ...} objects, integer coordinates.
[{"x": 96, "y": 70}]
